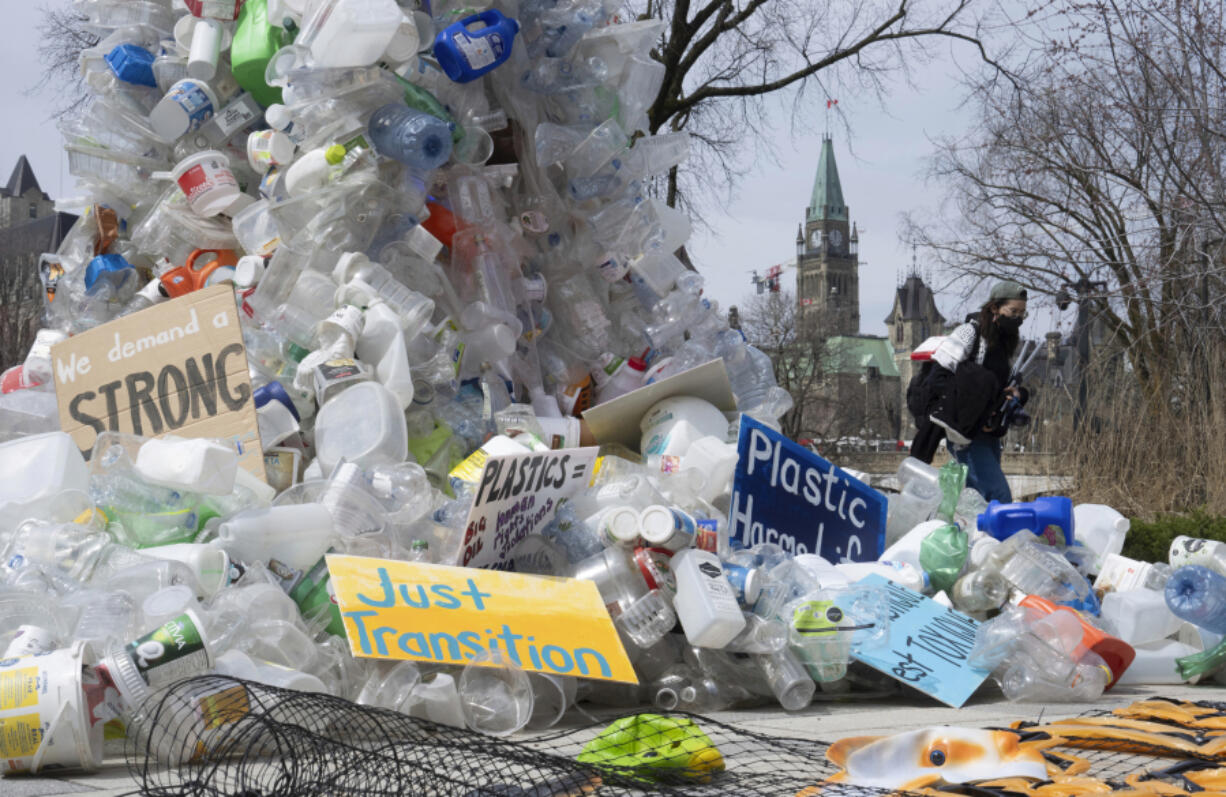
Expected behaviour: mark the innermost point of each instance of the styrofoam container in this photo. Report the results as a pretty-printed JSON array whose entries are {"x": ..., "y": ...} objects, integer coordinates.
[{"x": 45, "y": 715}]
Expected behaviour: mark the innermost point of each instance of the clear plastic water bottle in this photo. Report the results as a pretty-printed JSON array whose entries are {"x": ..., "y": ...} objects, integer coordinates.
[
  {"x": 416, "y": 139},
  {"x": 1198, "y": 595}
]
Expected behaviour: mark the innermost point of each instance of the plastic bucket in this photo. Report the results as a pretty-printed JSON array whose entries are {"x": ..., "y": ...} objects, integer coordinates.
[
  {"x": 45, "y": 718},
  {"x": 207, "y": 182},
  {"x": 188, "y": 105}
]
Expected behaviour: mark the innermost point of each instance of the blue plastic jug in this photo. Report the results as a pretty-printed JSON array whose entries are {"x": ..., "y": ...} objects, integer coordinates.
[
  {"x": 467, "y": 53},
  {"x": 1050, "y": 517}
]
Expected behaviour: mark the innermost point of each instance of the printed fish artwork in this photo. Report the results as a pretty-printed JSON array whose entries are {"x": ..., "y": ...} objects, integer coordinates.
[{"x": 941, "y": 754}]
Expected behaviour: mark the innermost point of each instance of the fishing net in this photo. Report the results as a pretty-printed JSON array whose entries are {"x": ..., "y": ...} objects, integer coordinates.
[{"x": 215, "y": 735}]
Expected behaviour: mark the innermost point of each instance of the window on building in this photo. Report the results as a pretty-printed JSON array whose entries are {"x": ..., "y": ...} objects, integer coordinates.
[
  {"x": 34, "y": 210},
  {"x": 898, "y": 330}
]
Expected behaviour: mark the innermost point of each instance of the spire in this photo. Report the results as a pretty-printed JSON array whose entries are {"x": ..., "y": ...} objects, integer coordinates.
[
  {"x": 827, "y": 200},
  {"x": 855, "y": 232},
  {"x": 800, "y": 235},
  {"x": 22, "y": 179}
]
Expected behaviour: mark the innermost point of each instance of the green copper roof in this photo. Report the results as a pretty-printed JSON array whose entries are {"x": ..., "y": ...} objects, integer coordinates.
[
  {"x": 827, "y": 199},
  {"x": 846, "y": 354}
]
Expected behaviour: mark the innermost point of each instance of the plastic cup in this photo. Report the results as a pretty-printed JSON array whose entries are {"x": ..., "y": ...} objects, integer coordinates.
[
  {"x": 188, "y": 105},
  {"x": 46, "y": 715},
  {"x": 207, "y": 182},
  {"x": 256, "y": 229},
  {"x": 495, "y": 695},
  {"x": 552, "y": 695}
]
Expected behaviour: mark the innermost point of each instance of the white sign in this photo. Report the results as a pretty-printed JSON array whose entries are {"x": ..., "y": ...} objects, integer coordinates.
[{"x": 516, "y": 496}]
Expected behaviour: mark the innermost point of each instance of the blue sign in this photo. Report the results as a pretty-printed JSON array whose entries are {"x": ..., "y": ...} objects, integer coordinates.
[
  {"x": 785, "y": 494},
  {"x": 928, "y": 647}
]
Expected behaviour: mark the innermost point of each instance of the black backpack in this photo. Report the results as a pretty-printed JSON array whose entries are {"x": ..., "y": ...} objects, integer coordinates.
[{"x": 919, "y": 389}]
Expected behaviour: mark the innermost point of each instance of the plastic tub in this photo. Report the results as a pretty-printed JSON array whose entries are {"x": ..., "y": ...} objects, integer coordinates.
[
  {"x": 363, "y": 424},
  {"x": 46, "y": 717},
  {"x": 207, "y": 182},
  {"x": 188, "y": 105}
]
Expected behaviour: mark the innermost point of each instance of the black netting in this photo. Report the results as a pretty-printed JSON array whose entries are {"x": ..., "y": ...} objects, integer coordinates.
[{"x": 221, "y": 736}]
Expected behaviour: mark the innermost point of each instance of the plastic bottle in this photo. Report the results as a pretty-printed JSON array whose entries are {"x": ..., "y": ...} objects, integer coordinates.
[
  {"x": 1192, "y": 551},
  {"x": 666, "y": 527},
  {"x": 296, "y": 535},
  {"x": 788, "y": 680},
  {"x": 1101, "y": 529},
  {"x": 413, "y": 308},
  {"x": 466, "y": 52},
  {"x": 705, "y": 603},
  {"x": 416, "y": 139},
  {"x": 1198, "y": 595},
  {"x": 1049, "y": 517},
  {"x": 313, "y": 170},
  {"x": 980, "y": 591}
]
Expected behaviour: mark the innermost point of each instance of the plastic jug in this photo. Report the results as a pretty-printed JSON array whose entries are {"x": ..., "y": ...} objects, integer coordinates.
[
  {"x": 296, "y": 535},
  {"x": 466, "y": 52},
  {"x": 347, "y": 33},
  {"x": 255, "y": 43},
  {"x": 1050, "y": 517},
  {"x": 363, "y": 424},
  {"x": 1101, "y": 529},
  {"x": 192, "y": 277}
]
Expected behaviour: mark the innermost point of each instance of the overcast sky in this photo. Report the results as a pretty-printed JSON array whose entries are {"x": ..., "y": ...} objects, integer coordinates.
[{"x": 881, "y": 180}]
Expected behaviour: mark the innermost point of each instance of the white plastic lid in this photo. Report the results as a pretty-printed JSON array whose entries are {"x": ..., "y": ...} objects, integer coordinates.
[
  {"x": 657, "y": 524},
  {"x": 346, "y": 265},
  {"x": 248, "y": 270},
  {"x": 621, "y": 523},
  {"x": 278, "y": 117},
  {"x": 168, "y": 602}
]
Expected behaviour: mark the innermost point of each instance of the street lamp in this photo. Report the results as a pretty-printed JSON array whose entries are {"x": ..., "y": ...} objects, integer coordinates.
[{"x": 1083, "y": 288}]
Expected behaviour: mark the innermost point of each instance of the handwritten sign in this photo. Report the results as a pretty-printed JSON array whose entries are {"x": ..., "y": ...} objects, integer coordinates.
[
  {"x": 928, "y": 647},
  {"x": 449, "y": 615},
  {"x": 785, "y": 494},
  {"x": 177, "y": 368},
  {"x": 516, "y": 496}
]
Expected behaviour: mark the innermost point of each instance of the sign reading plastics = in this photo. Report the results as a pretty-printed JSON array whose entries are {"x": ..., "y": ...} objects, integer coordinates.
[{"x": 449, "y": 615}]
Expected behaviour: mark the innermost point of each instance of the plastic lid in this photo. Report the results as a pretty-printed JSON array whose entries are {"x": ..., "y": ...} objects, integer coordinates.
[
  {"x": 169, "y": 601},
  {"x": 248, "y": 270},
  {"x": 637, "y": 363},
  {"x": 126, "y": 677},
  {"x": 656, "y": 523},
  {"x": 334, "y": 154},
  {"x": 621, "y": 523},
  {"x": 278, "y": 117}
]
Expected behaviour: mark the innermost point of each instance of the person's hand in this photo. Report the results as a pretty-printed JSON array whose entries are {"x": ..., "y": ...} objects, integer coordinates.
[{"x": 1013, "y": 392}]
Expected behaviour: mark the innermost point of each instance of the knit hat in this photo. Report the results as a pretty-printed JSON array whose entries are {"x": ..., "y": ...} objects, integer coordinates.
[{"x": 1004, "y": 291}]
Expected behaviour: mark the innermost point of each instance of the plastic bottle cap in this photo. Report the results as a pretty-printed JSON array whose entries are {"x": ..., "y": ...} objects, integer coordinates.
[
  {"x": 637, "y": 363},
  {"x": 656, "y": 523},
  {"x": 278, "y": 117},
  {"x": 248, "y": 270},
  {"x": 622, "y": 524},
  {"x": 335, "y": 154}
]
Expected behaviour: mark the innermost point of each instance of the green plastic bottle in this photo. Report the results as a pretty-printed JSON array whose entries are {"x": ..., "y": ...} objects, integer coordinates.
[
  {"x": 256, "y": 41},
  {"x": 943, "y": 552}
]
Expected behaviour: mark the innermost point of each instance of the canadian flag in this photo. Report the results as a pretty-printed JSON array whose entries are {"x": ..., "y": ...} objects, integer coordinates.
[{"x": 831, "y": 103}]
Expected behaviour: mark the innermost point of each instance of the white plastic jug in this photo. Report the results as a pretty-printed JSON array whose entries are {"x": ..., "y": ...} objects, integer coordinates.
[
  {"x": 363, "y": 424},
  {"x": 42, "y": 476},
  {"x": 197, "y": 465},
  {"x": 296, "y": 535},
  {"x": 1101, "y": 529}
]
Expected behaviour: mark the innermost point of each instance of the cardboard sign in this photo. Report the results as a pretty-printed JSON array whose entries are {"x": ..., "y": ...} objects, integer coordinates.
[
  {"x": 177, "y": 368},
  {"x": 617, "y": 421},
  {"x": 785, "y": 494},
  {"x": 448, "y": 615},
  {"x": 516, "y": 496},
  {"x": 928, "y": 647}
]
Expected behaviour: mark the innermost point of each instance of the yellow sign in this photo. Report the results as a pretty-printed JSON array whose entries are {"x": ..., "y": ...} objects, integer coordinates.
[{"x": 448, "y": 615}]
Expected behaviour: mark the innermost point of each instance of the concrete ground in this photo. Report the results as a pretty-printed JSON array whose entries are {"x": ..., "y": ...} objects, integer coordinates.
[{"x": 826, "y": 721}]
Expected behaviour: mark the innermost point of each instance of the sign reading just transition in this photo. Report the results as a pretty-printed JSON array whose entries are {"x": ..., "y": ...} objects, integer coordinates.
[{"x": 449, "y": 615}]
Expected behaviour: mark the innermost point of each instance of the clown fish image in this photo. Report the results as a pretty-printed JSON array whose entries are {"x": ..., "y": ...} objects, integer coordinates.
[{"x": 942, "y": 754}]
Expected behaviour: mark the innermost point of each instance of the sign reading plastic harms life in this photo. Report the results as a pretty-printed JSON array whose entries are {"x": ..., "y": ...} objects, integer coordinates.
[
  {"x": 177, "y": 368},
  {"x": 422, "y": 612},
  {"x": 517, "y": 495},
  {"x": 929, "y": 645},
  {"x": 783, "y": 493}
]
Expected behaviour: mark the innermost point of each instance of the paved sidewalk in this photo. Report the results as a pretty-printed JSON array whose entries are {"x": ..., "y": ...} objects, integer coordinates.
[{"x": 824, "y": 720}]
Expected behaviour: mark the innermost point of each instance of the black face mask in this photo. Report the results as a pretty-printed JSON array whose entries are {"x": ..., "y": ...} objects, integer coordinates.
[{"x": 1008, "y": 323}]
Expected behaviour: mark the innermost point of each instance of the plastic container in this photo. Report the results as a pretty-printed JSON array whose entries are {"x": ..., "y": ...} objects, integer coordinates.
[
  {"x": 197, "y": 465},
  {"x": 204, "y": 268},
  {"x": 666, "y": 527},
  {"x": 364, "y": 425},
  {"x": 495, "y": 695},
  {"x": 1049, "y": 517},
  {"x": 1139, "y": 616},
  {"x": 1154, "y": 663},
  {"x": 1101, "y": 529},
  {"x": 416, "y": 139},
  {"x": 1192, "y": 551},
  {"x": 347, "y": 33},
  {"x": 703, "y": 417},
  {"x": 267, "y": 149},
  {"x": 466, "y": 51},
  {"x": 312, "y": 170},
  {"x": 706, "y": 604},
  {"x": 42, "y": 475},
  {"x": 178, "y": 648},
  {"x": 256, "y": 230},
  {"x": 210, "y": 565},
  {"x": 618, "y": 525},
  {"x": 296, "y": 535},
  {"x": 47, "y": 712},
  {"x": 188, "y": 105},
  {"x": 207, "y": 182}
]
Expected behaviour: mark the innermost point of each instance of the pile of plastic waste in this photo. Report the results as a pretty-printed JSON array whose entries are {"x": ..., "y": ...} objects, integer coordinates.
[{"x": 442, "y": 228}]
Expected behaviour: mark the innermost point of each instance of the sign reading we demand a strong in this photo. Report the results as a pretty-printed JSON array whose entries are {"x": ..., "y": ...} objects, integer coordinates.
[
  {"x": 177, "y": 368},
  {"x": 451, "y": 615}
]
